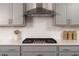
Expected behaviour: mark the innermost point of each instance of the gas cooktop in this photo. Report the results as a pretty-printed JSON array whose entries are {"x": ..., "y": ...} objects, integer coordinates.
[{"x": 39, "y": 40}]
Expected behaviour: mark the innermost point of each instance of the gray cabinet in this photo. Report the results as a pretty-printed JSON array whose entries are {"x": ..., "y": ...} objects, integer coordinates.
[
  {"x": 73, "y": 13},
  {"x": 68, "y": 50},
  {"x": 9, "y": 50},
  {"x": 5, "y": 14},
  {"x": 18, "y": 14},
  {"x": 11, "y": 14},
  {"x": 38, "y": 50},
  {"x": 61, "y": 14},
  {"x": 67, "y": 14}
]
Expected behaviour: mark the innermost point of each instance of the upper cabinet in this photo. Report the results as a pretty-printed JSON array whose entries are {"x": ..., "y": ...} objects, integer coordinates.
[
  {"x": 73, "y": 13},
  {"x": 61, "y": 14},
  {"x": 17, "y": 14},
  {"x": 4, "y": 13},
  {"x": 67, "y": 14},
  {"x": 11, "y": 14}
]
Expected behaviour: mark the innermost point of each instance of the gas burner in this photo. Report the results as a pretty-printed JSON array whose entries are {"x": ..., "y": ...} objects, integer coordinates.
[{"x": 39, "y": 40}]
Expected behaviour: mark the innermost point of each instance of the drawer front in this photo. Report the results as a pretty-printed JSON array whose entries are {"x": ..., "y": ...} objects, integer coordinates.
[
  {"x": 69, "y": 54},
  {"x": 9, "y": 48},
  {"x": 38, "y": 48},
  {"x": 9, "y": 54},
  {"x": 39, "y": 54},
  {"x": 68, "y": 48}
]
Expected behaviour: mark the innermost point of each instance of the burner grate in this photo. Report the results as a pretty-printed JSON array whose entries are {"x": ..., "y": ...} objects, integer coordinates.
[{"x": 39, "y": 40}]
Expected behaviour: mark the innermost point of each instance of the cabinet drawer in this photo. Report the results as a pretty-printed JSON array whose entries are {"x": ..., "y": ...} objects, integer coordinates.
[
  {"x": 69, "y": 54},
  {"x": 39, "y": 54},
  {"x": 38, "y": 48},
  {"x": 68, "y": 48},
  {"x": 9, "y": 54},
  {"x": 9, "y": 48}
]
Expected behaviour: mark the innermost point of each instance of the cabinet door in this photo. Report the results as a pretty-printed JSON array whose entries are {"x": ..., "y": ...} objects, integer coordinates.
[
  {"x": 61, "y": 14},
  {"x": 4, "y": 13},
  {"x": 73, "y": 13},
  {"x": 17, "y": 14},
  {"x": 68, "y": 48},
  {"x": 9, "y": 50}
]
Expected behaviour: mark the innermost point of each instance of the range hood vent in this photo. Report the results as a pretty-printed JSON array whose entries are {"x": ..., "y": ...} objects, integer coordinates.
[{"x": 39, "y": 11}]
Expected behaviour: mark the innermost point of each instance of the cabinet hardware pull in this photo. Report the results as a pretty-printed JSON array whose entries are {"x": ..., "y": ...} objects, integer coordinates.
[
  {"x": 75, "y": 55},
  {"x": 10, "y": 21},
  {"x": 39, "y": 55},
  {"x": 68, "y": 21}
]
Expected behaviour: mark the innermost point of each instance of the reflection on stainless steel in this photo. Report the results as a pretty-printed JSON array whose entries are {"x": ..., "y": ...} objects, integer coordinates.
[{"x": 39, "y": 11}]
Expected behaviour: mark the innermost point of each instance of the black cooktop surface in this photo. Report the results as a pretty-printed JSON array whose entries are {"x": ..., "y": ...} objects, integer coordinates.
[{"x": 39, "y": 40}]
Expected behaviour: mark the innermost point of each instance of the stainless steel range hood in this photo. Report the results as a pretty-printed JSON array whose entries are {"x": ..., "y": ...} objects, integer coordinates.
[{"x": 39, "y": 11}]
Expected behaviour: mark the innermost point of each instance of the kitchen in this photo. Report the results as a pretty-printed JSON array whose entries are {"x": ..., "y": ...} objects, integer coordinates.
[{"x": 19, "y": 22}]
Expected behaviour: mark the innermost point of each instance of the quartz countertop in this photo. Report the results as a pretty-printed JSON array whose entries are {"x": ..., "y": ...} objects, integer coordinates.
[{"x": 62, "y": 42}]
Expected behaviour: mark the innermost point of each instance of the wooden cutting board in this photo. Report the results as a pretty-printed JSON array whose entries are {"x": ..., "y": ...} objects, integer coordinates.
[
  {"x": 69, "y": 35},
  {"x": 65, "y": 35}
]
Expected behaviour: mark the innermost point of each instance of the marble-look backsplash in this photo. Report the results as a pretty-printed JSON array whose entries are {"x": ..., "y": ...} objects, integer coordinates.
[{"x": 35, "y": 27}]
